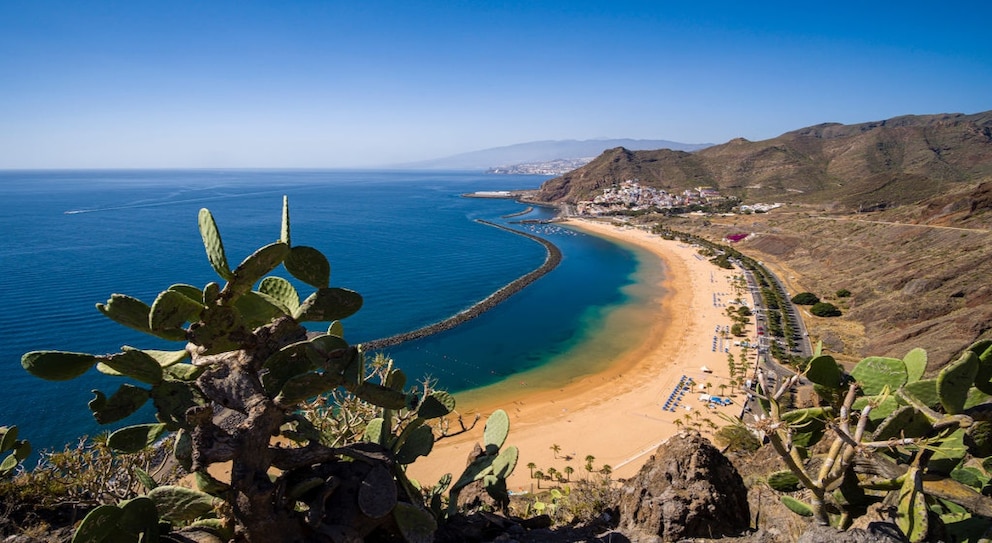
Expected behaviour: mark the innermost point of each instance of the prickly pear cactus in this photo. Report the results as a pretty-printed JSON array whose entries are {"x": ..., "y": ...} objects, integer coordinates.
[
  {"x": 493, "y": 465},
  {"x": 890, "y": 426},
  {"x": 12, "y": 450},
  {"x": 244, "y": 365}
]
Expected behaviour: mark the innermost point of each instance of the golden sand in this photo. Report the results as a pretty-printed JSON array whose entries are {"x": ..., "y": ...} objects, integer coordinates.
[{"x": 616, "y": 413}]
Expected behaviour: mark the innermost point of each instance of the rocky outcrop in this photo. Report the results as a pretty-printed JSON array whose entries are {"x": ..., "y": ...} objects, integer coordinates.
[
  {"x": 687, "y": 489},
  {"x": 877, "y": 532}
]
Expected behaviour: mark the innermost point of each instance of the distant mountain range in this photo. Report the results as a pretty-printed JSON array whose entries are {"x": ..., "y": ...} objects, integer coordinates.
[
  {"x": 870, "y": 165},
  {"x": 542, "y": 151}
]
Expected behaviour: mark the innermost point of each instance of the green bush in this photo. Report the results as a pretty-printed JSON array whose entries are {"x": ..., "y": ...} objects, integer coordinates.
[
  {"x": 805, "y": 298},
  {"x": 825, "y": 309},
  {"x": 843, "y": 293}
]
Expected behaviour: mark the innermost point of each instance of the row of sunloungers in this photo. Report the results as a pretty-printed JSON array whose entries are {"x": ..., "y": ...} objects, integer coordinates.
[{"x": 685, "y": 385}]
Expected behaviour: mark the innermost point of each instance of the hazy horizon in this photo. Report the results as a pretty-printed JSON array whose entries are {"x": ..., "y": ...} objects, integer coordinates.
[{"x": 367, "y": 85}]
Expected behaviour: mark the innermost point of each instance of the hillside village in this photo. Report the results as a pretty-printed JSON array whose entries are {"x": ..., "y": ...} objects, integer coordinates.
[{"x": 631, "y": 196}]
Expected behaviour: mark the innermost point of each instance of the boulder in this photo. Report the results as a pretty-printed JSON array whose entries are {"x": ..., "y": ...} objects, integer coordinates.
[
  {"x": 686, "y": 489},
  {"x": 877, "y": 532}
]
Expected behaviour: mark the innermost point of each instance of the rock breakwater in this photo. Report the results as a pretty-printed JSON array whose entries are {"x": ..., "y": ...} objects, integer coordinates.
[{"x": 551, "y": 261}]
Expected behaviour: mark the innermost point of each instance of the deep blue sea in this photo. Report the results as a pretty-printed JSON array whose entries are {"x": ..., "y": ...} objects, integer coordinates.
[{"x": 407, "y": 241}]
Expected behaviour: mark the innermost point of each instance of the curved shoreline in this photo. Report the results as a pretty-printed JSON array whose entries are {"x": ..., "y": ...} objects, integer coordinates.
[
  {"x": 551, "y": 261},
  {"x": 618, "y": 414}
]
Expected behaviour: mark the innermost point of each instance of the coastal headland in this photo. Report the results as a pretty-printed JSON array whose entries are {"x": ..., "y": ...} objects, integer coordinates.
[{"x": 674, "y": 354}]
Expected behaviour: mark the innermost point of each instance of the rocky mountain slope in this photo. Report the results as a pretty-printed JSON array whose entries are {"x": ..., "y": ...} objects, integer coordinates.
[{"x": 870, "y": 165}]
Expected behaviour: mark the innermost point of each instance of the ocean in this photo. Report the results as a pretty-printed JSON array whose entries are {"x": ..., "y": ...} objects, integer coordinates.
[{"x": 407, "y": 241}]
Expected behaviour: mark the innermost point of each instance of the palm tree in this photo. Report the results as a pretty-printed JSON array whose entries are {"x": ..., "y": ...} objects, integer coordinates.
[
  {"x": 606, "y": 470},
  {"x": 589, "y": 460},
  {"x": 679, "y": 423},
  {"x": 531, "y": 466},
  {"x": 539, "y": 475},
  {"x": 569, "y": 470},
  {"x": 555, "y": 449},
  {"x": 723, "y": 389}
]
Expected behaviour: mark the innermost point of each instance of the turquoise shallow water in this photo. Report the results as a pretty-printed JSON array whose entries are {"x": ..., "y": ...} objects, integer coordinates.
[{"x": 407, "y": 241}]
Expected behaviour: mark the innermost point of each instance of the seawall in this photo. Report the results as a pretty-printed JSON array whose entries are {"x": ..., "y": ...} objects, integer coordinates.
[{"x": 551, "y": 261}]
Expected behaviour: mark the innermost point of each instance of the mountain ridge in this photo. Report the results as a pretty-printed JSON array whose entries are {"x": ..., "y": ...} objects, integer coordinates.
[
  {"x": 870, "y": 165},
  {"x": 541, "y": 151}
]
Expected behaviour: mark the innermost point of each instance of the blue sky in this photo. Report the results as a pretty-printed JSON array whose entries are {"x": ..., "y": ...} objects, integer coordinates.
[{"x": 368, "y": 83}]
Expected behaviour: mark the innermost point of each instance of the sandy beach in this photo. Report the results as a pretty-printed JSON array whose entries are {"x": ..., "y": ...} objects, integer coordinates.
[{"x": 618, "y": 415}]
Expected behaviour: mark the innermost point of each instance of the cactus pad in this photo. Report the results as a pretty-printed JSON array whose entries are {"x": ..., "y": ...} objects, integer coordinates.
[
  {"x": 284, "y": 230},
  {"x": 377, "y": 495},
  {"x": 875, "y": 373},
  {"x": 783, "y": 481},
  {"x": 134, "y": 364},
  {"x": 179, "y": 504},
  {"x": 288, "y": 362},
  {"x": 307, "y": 385},
  {"x": 497, "y": 428},
  {"x": 132, "y": 439},
  {"x": 379, "y": 395},
  {"x": 983, "y": 380},
  {"x": 916, "y": 364},
  {"x": 123, "y": 403},
  {"x": 213, "y": 244},
  {"x": 948, "y": 454},
  {"x": 126, "y": 310},
  {"x": 505, "y": 462},
  {"x": 883, "y": 408},
  {"x": 416, "y": 524},
  {"x": 139, "y": 518},
  {"x": 800, "y": 508},
  {"x": 903, "y": 422},
  {"x": 373, "y": 431},
  {"x": 824, "y": 370},
  {"x": 335, "y": 329},
  {"x": 257, "y": 309},
  {"x": 911, "y": 513},
  {"x": 437, "y": 405},
  {"x": 954, "y": 380},
  {"x": 419, "y": 443},
  {"x": 282, "y": 291},
  {"x": 329, "y": 304},
  {"x": 171, "y": 311},
  {"x": 255, "y": 267},
  {"x": 978, "y": 439},
  {"x": 309, "y": 265},
  {"x": 924, "y": 391},
  {"x": 57, "y": 365},
  {"x": 98, "y": 524},
  {"x": 8, "y": 438},
  {"x": 396, "y": 380},
  {"x": 164, "y": 358}
]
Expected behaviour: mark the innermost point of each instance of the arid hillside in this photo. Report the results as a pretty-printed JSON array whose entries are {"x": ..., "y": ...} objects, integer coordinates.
[
  {"x": 872, "y": 165},
  {"x": 919, "y": 274}
]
